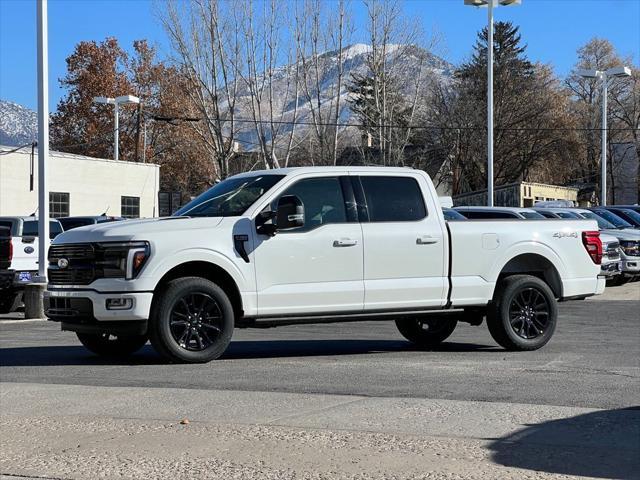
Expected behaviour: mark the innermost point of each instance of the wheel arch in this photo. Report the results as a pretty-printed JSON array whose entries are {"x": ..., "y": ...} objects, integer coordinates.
[
  {"x": 536, "y": 265},
  {"x": 210, "y": 271}
]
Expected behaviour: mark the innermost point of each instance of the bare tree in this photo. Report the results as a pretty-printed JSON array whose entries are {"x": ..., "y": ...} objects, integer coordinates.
[
  {"x": 319, "y": 35},
  {"x": 206, "y": 42}
]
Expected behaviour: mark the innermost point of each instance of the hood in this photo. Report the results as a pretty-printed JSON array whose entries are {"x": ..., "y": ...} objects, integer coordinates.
[
  {"x": 127, "y": 230},
  {"x": 625, "y": 234}
]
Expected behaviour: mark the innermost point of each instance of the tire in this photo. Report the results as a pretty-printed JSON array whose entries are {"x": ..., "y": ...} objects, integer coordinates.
[
  {"x": 106, "y": 345},
  {"x": 10, "y": 302},
  {"x": 523, "y": 313},
  {"x": 192, "y": 321},
  {"x": 427, "y": 331}
]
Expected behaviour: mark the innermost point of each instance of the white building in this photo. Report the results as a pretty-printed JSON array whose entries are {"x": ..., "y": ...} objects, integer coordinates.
[{"x": 78, "y": 185}]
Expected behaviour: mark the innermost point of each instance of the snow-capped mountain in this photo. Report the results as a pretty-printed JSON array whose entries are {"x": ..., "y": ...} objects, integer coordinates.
[
  {"x": 18, "y": 125},
  {"x": 408, "y": 63}
]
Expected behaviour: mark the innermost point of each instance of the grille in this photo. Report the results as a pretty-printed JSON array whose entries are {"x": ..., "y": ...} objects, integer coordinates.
[
  {"x": 83, "y": 251},
  {"x": 71, "y": 276},
  {"x": 80, "y": 271}
]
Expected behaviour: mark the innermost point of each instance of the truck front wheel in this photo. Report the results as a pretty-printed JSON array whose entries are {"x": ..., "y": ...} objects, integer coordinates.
[
  {"x": 192, "y": 321},
  {"x": 107, "y": 345},
  {"x": 523, "y": 313},
  {"x": 427, "y": 331}
]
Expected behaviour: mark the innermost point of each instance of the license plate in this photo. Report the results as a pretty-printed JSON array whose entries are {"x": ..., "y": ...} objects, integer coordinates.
[{"x": 24, "y": 277}]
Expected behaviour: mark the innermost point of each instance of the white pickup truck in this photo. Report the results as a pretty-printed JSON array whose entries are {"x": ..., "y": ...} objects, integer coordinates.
[{"x": 310, "y": 245}]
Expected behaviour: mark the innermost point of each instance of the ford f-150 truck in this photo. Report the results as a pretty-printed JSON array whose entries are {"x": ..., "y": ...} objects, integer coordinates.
[{"x": 309, "y": 245}]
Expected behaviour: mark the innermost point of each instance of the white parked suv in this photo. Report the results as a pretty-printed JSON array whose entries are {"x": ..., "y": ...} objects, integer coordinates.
[
  {"x": 22, "y": 265},
  {"x": 309, "y": 245}
]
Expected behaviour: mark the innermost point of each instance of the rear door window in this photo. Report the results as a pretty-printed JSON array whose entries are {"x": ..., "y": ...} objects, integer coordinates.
[{"x": 393, "y": 199}]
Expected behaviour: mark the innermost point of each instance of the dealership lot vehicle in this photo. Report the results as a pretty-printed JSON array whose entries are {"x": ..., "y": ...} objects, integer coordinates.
[
  {"x": 629, "y": 241},
  {"x": 627, "y": 214},
  {"x": 311, "y": 245},
  {"x": 499, "y": 212},
  {"x": 611, "y": 265},
  {"x": 22, "y": 252}
]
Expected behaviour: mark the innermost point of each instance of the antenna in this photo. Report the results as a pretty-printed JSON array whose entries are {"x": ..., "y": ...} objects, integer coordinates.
[{"x": 105, "y": 212}]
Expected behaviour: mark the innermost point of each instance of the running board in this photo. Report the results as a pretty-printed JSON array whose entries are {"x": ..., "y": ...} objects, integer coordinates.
[{"x": 277, "y": 321}]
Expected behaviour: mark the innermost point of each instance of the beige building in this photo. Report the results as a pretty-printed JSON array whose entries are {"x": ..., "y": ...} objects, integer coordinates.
[
  {"x": 78, "y": 185},
  {"x": 522, "y": 194}
]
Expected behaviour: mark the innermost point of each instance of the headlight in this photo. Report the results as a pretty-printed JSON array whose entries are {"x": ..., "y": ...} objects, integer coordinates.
[
  {"x": 630, "y": 247},
  {"x": 121, "y": 260}
]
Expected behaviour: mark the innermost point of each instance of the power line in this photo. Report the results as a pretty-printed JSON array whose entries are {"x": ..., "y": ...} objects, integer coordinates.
[{"x": 18, "y": 148}]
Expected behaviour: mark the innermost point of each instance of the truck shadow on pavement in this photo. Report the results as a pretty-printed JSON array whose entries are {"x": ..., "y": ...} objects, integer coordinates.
[
  {"x": 242, "y": 349},
  {"x": 603, "y": 444}
]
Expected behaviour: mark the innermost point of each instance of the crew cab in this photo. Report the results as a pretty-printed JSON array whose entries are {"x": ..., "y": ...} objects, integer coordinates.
[
  {"x": 22, "y": 264},
  {"x": 310, "y": 245}
]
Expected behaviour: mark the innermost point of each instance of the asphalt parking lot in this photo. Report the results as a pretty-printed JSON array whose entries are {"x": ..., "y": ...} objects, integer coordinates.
[
  {"x": 592, "y": 361},
  {"x": 589, "y": 371}
]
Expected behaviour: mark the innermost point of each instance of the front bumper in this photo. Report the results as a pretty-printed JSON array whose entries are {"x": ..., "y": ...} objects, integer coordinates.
[
  {"x": 65, "y": 305},
  {"x": 631, "y": 265}
]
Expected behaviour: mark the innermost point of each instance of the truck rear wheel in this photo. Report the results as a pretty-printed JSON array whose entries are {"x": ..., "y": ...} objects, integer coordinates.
[
  {"x": 427, "y": 331},
  {"x": 107, "y": 345},
  {"x": 192, "y": 321},
  {"x": 523, "y": 313}
]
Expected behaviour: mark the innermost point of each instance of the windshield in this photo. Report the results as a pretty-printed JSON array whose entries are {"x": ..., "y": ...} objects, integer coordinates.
[
  {"x": 532, "y": 215},
  {"x": 568, "y": 215},
  {"x": 613, "y": 218},
  {"x": 602, "y": 223},
  {"x": 633, "y": 216},
  {"x": 69, "y": 223},
  {"x": 230, "y": 198}
]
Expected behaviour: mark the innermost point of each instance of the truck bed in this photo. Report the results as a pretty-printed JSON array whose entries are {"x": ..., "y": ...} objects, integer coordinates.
[{"x": 488, "y": 245}]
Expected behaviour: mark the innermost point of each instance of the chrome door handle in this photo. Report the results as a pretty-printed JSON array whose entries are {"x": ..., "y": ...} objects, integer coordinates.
[
  {"x": 345, "y": 242},
  {"x": 426, "y": 240}
]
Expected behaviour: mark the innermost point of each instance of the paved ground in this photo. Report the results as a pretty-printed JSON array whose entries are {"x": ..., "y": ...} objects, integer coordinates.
[{"x": 332, "y": 401}]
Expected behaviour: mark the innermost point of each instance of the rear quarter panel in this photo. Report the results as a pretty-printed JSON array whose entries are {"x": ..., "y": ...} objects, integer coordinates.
[{"x": 482, "y": 248}]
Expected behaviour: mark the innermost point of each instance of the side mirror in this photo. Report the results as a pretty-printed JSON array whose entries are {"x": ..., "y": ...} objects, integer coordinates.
[{"x": 290, "y": 213}]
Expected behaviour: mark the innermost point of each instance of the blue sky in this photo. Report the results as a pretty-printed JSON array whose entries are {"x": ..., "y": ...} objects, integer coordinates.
[{"x": 552, "y": 29}]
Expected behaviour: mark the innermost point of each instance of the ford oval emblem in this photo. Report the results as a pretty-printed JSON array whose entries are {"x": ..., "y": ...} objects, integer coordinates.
[
  {"x": 28, "y": 249},
  {"x": 63, "y": 263}
]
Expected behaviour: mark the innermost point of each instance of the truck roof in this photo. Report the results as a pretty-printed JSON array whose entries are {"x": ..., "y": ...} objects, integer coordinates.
[{"x": 351, "y": 168}]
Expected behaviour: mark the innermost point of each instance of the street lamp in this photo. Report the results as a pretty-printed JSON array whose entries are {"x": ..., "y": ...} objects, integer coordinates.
[
  {"x": 490, "y": 4},
  {"x": 604, "y": 76},
  {"x": 116, "y": 102}
]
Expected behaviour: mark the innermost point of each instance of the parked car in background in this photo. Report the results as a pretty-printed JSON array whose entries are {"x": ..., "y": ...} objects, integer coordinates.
[
  {"x": 627, "y": 214},
  {"x": 611, "y": 217},
  {"x": 6, "y": 275},
  {"x": 629, "y": 239},
  {"x": 23, "y": 259},
  {"x": 611, "y": 265},
  {"x": 69, "y": 223},
  {"x": 451, "y": 214},
  {"x": 499, "y": 212}
]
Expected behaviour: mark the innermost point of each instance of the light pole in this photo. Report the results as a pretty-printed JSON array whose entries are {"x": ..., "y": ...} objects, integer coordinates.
[
  {"x": 116, "y": 102},
  {"x": 604, "y": 76},
  {"x": 490, "y": 4}
]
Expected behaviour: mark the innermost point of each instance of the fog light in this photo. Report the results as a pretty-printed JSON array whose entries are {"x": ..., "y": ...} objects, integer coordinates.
[{"x": 119, "y": 303}]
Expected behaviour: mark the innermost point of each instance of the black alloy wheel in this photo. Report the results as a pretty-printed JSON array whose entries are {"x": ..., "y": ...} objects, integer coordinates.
[
  {"x": 529, "y": 313},
  {"x": 196, "y": 321},
  {"x": 191, "y": 321},
  {"x": 523, "y": 313}
]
